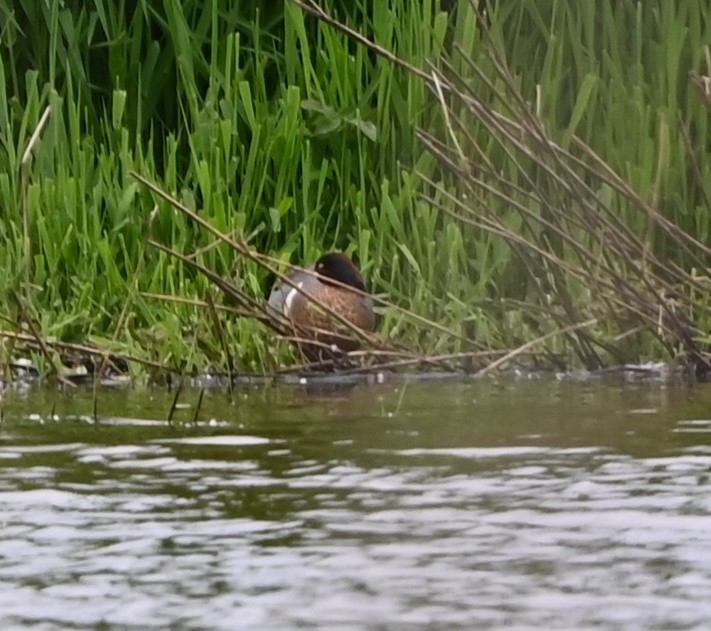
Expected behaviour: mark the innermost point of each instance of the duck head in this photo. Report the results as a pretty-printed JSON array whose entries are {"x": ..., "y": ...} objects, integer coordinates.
[{"x": 339, "y": 267}]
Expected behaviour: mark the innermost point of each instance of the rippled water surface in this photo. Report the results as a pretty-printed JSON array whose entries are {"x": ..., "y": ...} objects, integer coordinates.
[{"x": 485, "y": 505}]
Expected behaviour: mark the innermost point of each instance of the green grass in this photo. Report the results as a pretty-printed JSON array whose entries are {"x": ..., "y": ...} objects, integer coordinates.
[{"x": 278, "y": 128}]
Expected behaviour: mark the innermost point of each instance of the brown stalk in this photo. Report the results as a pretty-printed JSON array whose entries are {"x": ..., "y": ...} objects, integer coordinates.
[{"x": 81, "y": 349}]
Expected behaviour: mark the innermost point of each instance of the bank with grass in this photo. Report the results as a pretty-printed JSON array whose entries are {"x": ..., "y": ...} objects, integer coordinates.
[{"x": 525, "y": 184}]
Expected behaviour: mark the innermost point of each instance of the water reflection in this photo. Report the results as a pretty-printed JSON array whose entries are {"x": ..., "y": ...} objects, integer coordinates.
[{"x": 427, "y": 506}]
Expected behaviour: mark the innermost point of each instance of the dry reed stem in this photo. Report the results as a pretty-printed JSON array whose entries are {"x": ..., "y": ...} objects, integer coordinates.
[{"x": 82, "y": 349}]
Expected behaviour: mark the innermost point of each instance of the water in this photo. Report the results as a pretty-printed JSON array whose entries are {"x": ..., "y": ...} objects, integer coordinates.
[{"x": 487, "y": 505}]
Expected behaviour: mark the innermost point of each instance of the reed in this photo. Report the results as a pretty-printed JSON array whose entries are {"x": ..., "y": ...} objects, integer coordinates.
[{"x": 535, "y": 174}]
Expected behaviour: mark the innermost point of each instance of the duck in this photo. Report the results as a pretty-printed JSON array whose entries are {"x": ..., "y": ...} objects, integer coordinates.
[{"x": 310, "y": 319}]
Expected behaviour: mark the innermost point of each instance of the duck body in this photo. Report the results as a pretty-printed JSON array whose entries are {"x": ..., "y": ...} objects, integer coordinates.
[{"x": 310, "y": 320}]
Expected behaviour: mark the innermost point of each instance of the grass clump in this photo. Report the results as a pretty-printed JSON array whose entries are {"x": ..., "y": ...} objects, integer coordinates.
[{"x": 530, "y": 173}]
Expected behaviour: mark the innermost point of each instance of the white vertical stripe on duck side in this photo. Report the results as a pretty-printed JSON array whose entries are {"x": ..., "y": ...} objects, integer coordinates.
[{"x": 290, "y": 298}]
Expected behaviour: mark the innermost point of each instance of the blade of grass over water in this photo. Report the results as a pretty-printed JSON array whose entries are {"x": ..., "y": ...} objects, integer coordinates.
[{"x": 501, "y": 175}]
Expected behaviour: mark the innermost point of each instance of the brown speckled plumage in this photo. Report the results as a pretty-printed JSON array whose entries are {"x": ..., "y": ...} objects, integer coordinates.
[{"x": 310, "y": 320}]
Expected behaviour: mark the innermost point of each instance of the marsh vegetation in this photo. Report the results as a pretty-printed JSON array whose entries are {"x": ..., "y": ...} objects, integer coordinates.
[{"x": 519, "y": 181}]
